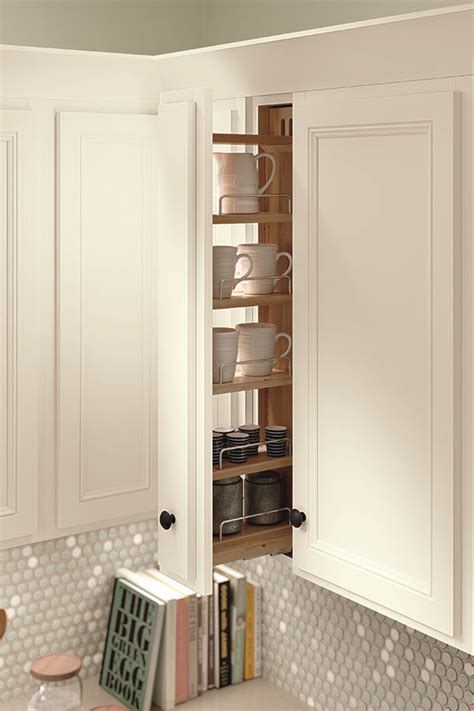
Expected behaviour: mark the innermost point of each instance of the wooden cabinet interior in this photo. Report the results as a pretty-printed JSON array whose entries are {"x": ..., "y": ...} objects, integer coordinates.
[
  {"x": 275, "y": 391},
  {"x": 276, "y": 406}
]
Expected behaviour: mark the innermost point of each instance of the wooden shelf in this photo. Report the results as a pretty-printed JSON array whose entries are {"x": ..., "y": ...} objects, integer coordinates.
[
  {"x": 252, "y": 542},
  {"x": 260, "y": 462},
  {"x": 248, "y": 139},
  {"x": 246, "y": 300},
  {"x": 251, "y": 218},
  {"x": 240, "y": 383}
]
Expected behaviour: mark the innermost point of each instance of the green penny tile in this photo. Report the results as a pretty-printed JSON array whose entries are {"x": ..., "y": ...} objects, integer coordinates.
[
  {"x": 57, "y": 598},
  {"x": 356, "y": 658}
]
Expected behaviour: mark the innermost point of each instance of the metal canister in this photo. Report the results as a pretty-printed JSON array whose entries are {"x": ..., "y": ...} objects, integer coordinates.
[
  {"x": 227, "y": 503},
  {"x": 263, "y": 492}
]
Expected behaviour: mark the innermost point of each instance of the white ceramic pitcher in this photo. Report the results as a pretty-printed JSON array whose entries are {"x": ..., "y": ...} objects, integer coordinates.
[{"x": 237, "y": 174}]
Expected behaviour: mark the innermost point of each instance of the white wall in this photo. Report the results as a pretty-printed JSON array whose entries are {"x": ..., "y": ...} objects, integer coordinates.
[{"x": 158, "y": 26}]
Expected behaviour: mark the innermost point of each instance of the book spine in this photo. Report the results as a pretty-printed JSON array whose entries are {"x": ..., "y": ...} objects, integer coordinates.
[
  {"x": 193, "y": 647},
  {"x": 233, "y": 631},
  {"x": 204, "y": 641},
  {"x": 258, "y": 631},
  {"x": 210, "y": 649},
  {"x": 239, "y": 590},
  {"x": 249, "y": 633},
  {"x": 164, "y": 692},
  {"x": 224, "y": 634},
  {"x": 182, "y": 651},
  {"x": 217, "y": 681},
  {"x": 199, "y": 642}
]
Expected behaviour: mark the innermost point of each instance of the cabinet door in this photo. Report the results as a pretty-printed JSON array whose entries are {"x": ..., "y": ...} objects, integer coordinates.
[
  {"x": 19, "y": 323},
  {"x": 185, "y": 338},
  {"x": 376, "y": 350},
  {"x": 107, "y": 255}
]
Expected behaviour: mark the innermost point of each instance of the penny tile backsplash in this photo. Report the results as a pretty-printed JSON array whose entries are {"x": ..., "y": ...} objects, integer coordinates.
[
  {"x": 331, "y": 653},
  {"x": 334, "y": 654},
  {"x": 57, "y": 595}
]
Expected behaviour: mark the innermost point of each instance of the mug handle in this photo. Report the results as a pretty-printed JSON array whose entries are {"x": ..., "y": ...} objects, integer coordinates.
[
  {"x": 273, "y": 162},
  {"x": 288, "y": 338},
  {"x": 290, "y": 260},
  {"x": 249, "y": 270}
]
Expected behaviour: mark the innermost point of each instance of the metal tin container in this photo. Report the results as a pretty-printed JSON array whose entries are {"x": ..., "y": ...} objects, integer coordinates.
[
  {"x": 227, "y": 503},
  {"x": 264, "y": 492}
]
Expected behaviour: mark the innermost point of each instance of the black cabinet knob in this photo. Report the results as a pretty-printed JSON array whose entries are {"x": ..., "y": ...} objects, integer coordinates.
[
  {"x": 297, "y": 518},
  {"x": 167, "y": 519}
]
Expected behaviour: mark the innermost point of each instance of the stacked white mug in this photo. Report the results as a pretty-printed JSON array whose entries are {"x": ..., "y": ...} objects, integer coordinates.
[
  {"x": 257, "y": 342},
  {"x": 225, "y": 343},
  {"x": 224, "y": 261},
  {"x": 264, "y": 264}
]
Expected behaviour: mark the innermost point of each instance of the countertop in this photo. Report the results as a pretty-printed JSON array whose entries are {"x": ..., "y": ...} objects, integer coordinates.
[{"x": 256, "y": 695}]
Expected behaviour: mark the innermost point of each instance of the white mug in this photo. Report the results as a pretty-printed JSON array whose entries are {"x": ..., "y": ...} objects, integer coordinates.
[
  {"x": 224, "y": 261},
  {"x": 256, "y": 342},
  {"x": 237, "y": 174},
  {"x": 225, "y": 342},
  {"x": 264, "y": 258}
]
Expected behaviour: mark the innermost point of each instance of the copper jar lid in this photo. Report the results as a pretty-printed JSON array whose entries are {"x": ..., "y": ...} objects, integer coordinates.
[{"x": 56, "y": 667}]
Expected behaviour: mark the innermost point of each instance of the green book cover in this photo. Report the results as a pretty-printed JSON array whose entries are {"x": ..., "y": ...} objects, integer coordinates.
[
  {"x": 132, "y": 646},
  {"x": 238, "y": 587}
]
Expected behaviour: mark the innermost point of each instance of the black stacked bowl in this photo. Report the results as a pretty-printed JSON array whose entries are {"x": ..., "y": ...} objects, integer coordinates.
[
  {"x": 223, "y": 430},
  {"x": 253, "y": 432},
  {"x": 275, "y": 438},
  {"x": 218, "y": 441},
  {"x": 236, "y": 439}
]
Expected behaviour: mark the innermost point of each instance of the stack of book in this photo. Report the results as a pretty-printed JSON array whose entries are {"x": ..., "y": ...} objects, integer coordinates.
[{"x": 166, "y": 644}]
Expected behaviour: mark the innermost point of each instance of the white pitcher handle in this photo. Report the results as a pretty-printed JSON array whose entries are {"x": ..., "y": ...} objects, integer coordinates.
[
  {"x": 249, "y": 270},
  {"x": 288, "y": 338},
  {"x": 273, "y": 162},
  {"x": 290, "y": 259}
]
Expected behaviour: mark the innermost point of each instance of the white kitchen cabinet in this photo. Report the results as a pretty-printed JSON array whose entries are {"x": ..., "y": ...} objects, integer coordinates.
[
  {"x": 106, "y": 322},
  {"x": 19, "y": 323},
  {"x": 184, "y": 355},
  {"x": 378, "y": 398},
  {"x": 377, "y": 356}
]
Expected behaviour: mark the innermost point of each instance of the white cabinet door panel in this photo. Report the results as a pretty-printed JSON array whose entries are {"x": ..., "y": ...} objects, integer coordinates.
[
  {"x": 375, "y": 352},
  {"x": 19, "y": 323},
  {"x": 107, "y": 253},
  {"x": 185, "y": 338}
]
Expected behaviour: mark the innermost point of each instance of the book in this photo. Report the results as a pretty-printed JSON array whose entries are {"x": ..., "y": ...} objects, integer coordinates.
[
  {"x": 188, "y": 635},
  {"x": 249, "y": 664},
  {"x": 258, "y": 616},
  {"x": 132, "y": 645},
  {"x": 203, "y": 642},
  {"x": 222, "y": 670},
  {"x": 199, "y": 599},
  {"x": 211, "y": 651},
  {"x": 182, "y": 654},
  {"x": 164, "y": 693},
  {"x": 238, "y": 587}
]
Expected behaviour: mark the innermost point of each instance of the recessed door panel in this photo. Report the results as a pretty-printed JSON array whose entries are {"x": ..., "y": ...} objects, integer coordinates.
[
  {"x": 184, "y": 341},
  {"x": 375, "y": 353},
  {"x": 107, "y": 252},
  {"x": 19, "y": 323}
]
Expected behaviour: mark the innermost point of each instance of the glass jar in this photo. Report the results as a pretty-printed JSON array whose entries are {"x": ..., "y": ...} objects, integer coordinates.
[
  {"x": 227, "y": 504},
  {"x": 58, "y": 685},
  {"x": 264, "y": 492}
]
